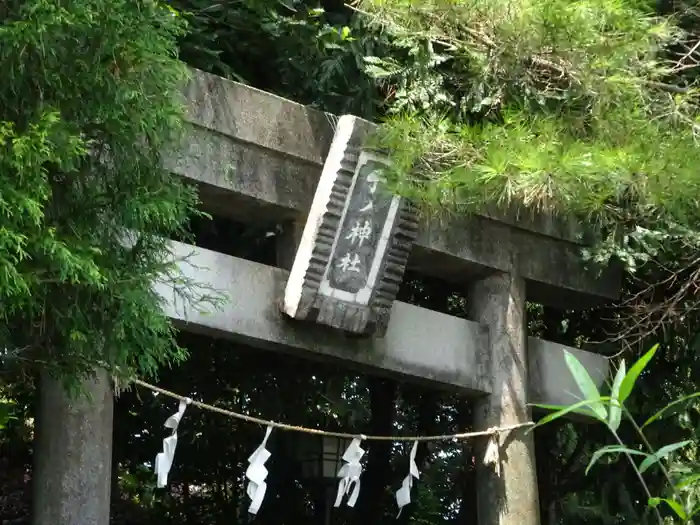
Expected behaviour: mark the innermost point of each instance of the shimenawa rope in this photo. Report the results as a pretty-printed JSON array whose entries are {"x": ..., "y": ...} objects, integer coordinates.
[{"x": 343, "y": 435}]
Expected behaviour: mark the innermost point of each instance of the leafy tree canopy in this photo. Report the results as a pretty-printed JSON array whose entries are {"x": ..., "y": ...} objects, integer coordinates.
[
  {"x": 87, "y": 103},
  {"x": 573, "y": 107},
  {"x": 583, "y": 108},
  {"x": 577, "y": 107}
]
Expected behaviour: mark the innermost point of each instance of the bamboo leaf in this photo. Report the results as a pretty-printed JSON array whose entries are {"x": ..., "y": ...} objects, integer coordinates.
[
  {"x": 586, "y": 385},
  {"x": 584, "y": 411},
  {"x": 677, "y": 507},
  {"x": 615, "y": 406},
  {"x": 662, "y": 453},
  {"x": 612, "y": 449},
  {"x": 6, "y": 413},
  {"x": 665, "y": 410},
  {"x": 690, "y": 480},
  {"x": 571, "y": 408},
  {"x": 631, "y": 378}
]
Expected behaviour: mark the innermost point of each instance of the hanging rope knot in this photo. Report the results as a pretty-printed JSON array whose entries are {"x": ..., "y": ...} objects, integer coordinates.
[{"x": 492, "y": 456}]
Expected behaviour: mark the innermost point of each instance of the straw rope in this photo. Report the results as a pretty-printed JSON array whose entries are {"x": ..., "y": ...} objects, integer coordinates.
[{"x": 343, "y": 435}]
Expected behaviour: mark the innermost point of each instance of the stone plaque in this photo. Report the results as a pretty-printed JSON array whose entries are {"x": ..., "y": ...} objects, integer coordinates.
[{"x": 355, "y": 245}]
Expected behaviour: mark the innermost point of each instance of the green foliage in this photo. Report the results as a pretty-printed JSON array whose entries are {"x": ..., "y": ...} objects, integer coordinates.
[
  {"x": 547, "y": 106},
  {"x": 678, "y": 486},
  {"x": 292, "y": 48},
  {"x": 6, "y": 412},
  {"x": 568, "y": 96},
  {"x": 87, "y": 104},
  {"x": 616, "y": 398}
]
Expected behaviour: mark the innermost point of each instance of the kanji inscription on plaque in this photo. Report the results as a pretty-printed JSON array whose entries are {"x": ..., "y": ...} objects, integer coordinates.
[{"x": 356, "y": 242}]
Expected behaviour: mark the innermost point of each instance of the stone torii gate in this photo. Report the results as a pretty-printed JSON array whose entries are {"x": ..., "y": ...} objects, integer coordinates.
[{"x": 258, "y": 158}]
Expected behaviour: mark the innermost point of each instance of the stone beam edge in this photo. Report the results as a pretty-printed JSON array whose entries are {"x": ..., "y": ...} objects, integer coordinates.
[
  {"x": 251, "y": 315},
  {"x": 285, "y": 187},
  {"x": 222, "y": 105}
]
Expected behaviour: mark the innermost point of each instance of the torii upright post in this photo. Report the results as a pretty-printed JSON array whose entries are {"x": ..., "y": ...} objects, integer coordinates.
[
  {"x": 73, "y": 453},
  {"x": 507, "y": 496}
]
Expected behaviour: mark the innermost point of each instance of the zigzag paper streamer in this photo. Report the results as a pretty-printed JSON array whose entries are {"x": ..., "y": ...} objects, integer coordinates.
[
  {"x": 492, "y": 456},
  {"x": 164, "y": 460},
  {"x": 403, "y": 495},
  {"x": 349, "y": 474},
  {"x": 257, "y": 473}
]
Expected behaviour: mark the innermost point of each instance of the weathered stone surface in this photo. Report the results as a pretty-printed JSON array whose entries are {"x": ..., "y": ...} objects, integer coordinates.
[
  {"x": 355, "y": 245},
  {"x": 257, "y": 117},
  {"x": 508, "y": 497},
  {"x": 258, "y": 157},
  {"x": 73, "y": 454},
  {"x": 550, "y": 380},
  {"x": 420, "y": 345},
  {"x": 252, "y": 316}
]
